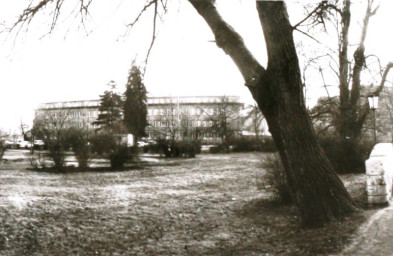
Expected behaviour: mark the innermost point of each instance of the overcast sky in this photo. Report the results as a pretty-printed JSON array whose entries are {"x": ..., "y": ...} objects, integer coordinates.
[{"x": 76, "y": 63}]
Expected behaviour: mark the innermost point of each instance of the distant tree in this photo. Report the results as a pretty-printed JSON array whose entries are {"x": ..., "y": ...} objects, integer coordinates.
[
  {"x": 256, "y": 116},
  {"x": 110, "y": 110},
  {"x": 24, "y": 129},
  {"x": 224, "y": 121},
  {"x": 53, "y": 130},
  {"x": 348, "y": 112},
  {"x": 324, "y": 115},
  {"x": 135, "y": 109},
  {"x": 78, "y": 139}
]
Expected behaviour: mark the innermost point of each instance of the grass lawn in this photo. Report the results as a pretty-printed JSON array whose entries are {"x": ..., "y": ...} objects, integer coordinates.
[{"x": 210, "y": 205}]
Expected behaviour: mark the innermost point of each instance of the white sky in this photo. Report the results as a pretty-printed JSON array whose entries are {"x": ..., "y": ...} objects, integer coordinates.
[{"x": 71, "y": 64}]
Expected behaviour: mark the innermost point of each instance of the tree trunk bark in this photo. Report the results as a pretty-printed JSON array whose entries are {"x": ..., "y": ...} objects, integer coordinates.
[{"x": 318, "y": 192}]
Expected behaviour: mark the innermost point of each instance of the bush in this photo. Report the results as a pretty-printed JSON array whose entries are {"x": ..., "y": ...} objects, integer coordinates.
[
  {"x": 346, "y": 156},
  {"x": 188, "y": 148},
  {"x": 103, "y": 144},
  {"x": 216, "y": 149},
  {"x": 2, "y": 149},
  {"x": 78, "y": 140},
  {"x": 175, "y": 149},
  {"x": 37, "y": 161},
  {"x": 56, "y": 151},
  {"x": 113, "y": 148},
  {"x": 244, "y": 144},
  {"x": 268, "y": 144},
  {"x": 276, "y": 178},
  {"x": 119, "y": 157}
]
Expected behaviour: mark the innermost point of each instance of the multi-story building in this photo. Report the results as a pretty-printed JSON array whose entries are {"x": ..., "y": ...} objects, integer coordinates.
[
  {"x": 69, "y": 113},
  {"x": 209, "y": 118}
]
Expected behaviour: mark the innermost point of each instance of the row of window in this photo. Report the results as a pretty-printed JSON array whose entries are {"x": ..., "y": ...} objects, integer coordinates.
[
  {"x": 182, "y": 111},
  {"x": 73, "y": 114},
  {"x": 202, "y": 135},
  {"x": 182, "y": 123}
]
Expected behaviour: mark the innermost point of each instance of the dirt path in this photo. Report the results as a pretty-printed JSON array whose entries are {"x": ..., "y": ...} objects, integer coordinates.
[{"x": 375, "y": 237}]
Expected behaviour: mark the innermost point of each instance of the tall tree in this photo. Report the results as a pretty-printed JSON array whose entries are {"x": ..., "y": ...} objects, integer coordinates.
[
  {"x": 277, "y": 89},
  {"x": 350, "y": 112},
  {"x": 110, "y": 110},
  {"x": 135, "y": 109},
  {"x": 319, "y": 193}
]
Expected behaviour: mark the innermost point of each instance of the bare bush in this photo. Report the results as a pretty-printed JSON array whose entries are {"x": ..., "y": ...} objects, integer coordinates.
[{"x": 276, "y": 178}]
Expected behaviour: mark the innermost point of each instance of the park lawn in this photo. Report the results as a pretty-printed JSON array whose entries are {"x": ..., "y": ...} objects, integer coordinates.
[{"x": 210, "y": 205}]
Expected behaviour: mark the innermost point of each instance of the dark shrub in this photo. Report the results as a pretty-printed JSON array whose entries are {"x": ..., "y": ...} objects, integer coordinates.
[
  {"x": 188, "y": 148},
  {"x": 216, "y": 149},
  {"x": 113, "y": 148},
  {"x": 267, "y": 144},
  {"x": 175, "y": 149},
  {"x": 103, "y": 143},
  {"x": 56, "y": 151},
  {"x": 346, "y": 156},
  {"x": 251, "y": 144},
  {"x": 2, "y": 149},
  {"x": 276, "y": 178},
  {"x": 118, "y": 157},
  {"x": 244, "y": 144},
  {"x": 77, "y": 139}
]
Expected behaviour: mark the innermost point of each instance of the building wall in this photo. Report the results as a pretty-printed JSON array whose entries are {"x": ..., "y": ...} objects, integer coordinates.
[
  {"x": 168, "y": 117},
  {"x": 192, "y": 117},
  {"x": 70, "y": 113}
]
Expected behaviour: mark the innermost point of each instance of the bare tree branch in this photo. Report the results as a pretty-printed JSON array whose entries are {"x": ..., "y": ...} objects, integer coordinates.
[
  {"x": 154, "y": 33},
  {"x": 231, "y": 42},
  {"x": 319, "y": 13},
  {"x": 145, "y": 8},
  {"x": 383, "y": 80}
]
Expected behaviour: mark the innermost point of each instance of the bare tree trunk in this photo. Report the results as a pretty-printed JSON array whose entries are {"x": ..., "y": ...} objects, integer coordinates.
[
  {"x": 319, "y": 193},
  {"x": 344, "y": 66}
]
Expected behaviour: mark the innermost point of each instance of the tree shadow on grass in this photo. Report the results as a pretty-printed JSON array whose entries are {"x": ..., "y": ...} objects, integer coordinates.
[
  {"x": 275, "y": 229},
  {"x": 128, "y": 167}
]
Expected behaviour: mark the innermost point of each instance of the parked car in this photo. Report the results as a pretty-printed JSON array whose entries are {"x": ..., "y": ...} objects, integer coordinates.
[
  {"x": 25, "y": 144},
  {"x": 11, "y": 144},
  {"x": 39, "y": 144},
  {"x": 141, "y": 144}
]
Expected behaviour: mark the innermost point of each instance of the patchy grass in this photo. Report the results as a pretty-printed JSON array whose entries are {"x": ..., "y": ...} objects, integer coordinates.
[{"x": 210, "y": 205}]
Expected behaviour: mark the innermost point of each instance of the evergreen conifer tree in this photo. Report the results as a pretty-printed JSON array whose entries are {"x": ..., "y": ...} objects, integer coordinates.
[
  {"x": 135, "y": 109},
  {"x": 110, "y": 110}
]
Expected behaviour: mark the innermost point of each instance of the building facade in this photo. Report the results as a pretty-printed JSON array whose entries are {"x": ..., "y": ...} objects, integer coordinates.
[
  {"x": 208, "y": 118},
  {"x": 79, "y": 114}
]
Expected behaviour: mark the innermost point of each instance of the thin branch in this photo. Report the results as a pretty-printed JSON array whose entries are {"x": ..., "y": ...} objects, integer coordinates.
[
  {"x": 333, "y": 70},
  {"x": 320, "y": 8},
  {"x": 145, "y": 8},
  {"x": 383, "y": 80},
  {"x": 304, "y": 33},
  {"x": 29, "y": 13},
  {"x": 154, "y": 34}
]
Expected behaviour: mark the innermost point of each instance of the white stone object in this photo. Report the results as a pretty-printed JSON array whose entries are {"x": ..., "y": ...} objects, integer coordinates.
[{"x": 379, "y": 170}]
